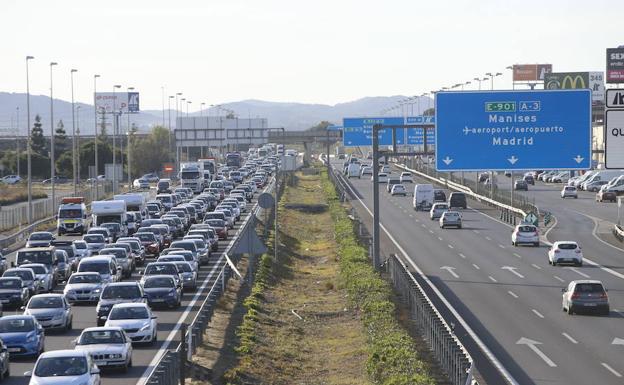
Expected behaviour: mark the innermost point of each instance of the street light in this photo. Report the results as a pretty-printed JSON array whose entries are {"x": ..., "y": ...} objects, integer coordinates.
[
  {"x": 169, "y": 110},
  {"x": 201, "y": 109},
  {"x": 177, "y": 115},
  {"x": 73, "y": 133},
  {"x": 28, "y": 150},
  {"x": 465, "y": 84},
  {"x": 116, "y": 116},
  {"x": 479, "y": 80},
  {"x": 513, "y": 84},
  {"x": 95, "y": 134},
  {"x": 78, "y": 141},
  {"x": 52, "y": 64},
  {"x": 187, "y": 107},
  {"x": 129, "y": 152},
  {"x": 492, "y": 76}
]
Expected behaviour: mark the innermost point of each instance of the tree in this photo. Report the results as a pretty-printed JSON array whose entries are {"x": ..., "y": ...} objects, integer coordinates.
[
  {"x": 60, "y": 139},
  {"x": 149, "y": 154},
  {"x": 322, "y": 126},
  {"x": 429, "y": 112},
  {"x": 40, "y": 164},
  {"x": 37, "y": 140}
]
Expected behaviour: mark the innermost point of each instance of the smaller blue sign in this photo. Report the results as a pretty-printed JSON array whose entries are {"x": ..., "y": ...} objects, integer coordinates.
[
  {"x": 415, "y": 135},
  {"x": 133, "y": 102},
  {"x": 334, "y": 128},
  {"x": 359, "y": 131}
]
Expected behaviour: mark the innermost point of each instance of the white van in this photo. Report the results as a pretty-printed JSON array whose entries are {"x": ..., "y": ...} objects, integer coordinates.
[
  {"x": 584, "y": 177},
  {"x": 616, "y": 184},
  {"x": 423, "y": 197},
  {"x": 601, "y": 175},
  {"x": 353, "y": 170}
]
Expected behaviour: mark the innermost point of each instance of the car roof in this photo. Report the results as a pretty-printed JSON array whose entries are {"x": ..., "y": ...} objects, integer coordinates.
[
  {"x": 18, "y": 316},
  {"x": 98, "y": 258},
  {"x": 124, "y": 283},
  {"x": 85, "y": 273},
  {"x": 47, "y": 295},
  {"x": 131, "y": 304},
  {"x": 158, "y": 276},
  {"x": 102, "y": 328},
  {"x": 64, "y": 353},
  {"x": 36, "y": 248},
  {"x": 582, "y": 281}
]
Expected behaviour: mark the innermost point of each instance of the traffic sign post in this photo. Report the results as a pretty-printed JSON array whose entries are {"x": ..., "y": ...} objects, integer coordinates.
[
  {"x": 513, "y": 130},
  {"x": 614, "y": 129},
  {"x": 531, "y": 218},
  {"x": 359, "y": 131}
]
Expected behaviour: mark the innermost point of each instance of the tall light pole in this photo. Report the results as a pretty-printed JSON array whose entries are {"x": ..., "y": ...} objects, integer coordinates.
[
  {"x": 17, "y": 147},
  {"x": 188, "y": 103},
  {"x": 479, "y": 80},
  {"x": 73, "y": 132},
  {"x": 513, "y": 84},
  {"x": 28, "y": 150},
  {"x": 176, "y": 147},
  {"x": 78, "y": 142},
  {"x": 52, "y": 158},
  {"x": 116, "y": 116},
  {"x": 162, "y": 89},
  {"x": 169, "y": 109},
  {"x": 129, "y": 151},
  {"x": 201, "y": 109},
  {"x": 95, "y": 135}
]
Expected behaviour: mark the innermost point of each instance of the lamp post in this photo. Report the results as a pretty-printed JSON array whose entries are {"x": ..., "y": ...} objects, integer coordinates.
[
  {"x": 201, "y": 109},
  {"x": 17, "y": 147},
  {"x": 162, "y": 89},
  {"x": 95, "y": 135},
  {"x": 177, "y": 149},
  {"x": 78, "y": 142},
  {"x": 188, "y": 102},
  {"x": 479, "y": 80},
  {"x": 169, "y": 110},
  {"x": 513, "y": 84},
  {"x": 116, "y": 116},
  {"x": 52, "y": 64},
  {"x": 129, "y": 152},
  {"x": 28, "y": 150},
  {"x": 73, "y": 132}
]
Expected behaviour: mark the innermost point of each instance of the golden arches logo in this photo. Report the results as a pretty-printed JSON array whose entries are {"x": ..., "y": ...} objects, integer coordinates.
[{"x": 573, "y": 82}]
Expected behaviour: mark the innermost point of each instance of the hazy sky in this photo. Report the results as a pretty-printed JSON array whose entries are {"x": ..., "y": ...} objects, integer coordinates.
[{"x": 318, "y": 51}]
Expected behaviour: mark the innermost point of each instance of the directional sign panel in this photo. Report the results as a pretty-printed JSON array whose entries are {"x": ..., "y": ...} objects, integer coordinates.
[
  {"x": 415, "y": 135},
  {"x": 513, "y": 130},
  {"x": 359, "y": 131},
  {"x": 614, "y": 139}
]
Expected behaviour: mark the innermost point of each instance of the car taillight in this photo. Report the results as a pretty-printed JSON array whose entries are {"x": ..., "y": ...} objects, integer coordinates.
[
  {"x": 556, "y": 251},
  {"x": 576, "y": 296},
  {"x": 603, "y": 295}
]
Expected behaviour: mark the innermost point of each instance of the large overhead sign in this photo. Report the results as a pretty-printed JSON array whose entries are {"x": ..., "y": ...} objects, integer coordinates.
[
  {"x": 513, "y": 130},
  {"x": 614, "y": 129},
  {"x": 615, "y": 65},
  {"x": 530, "y": 72},
  {"x": 126, "y": 102},
  {"x": 359, "y": 131},
  {"x": 577, "y": 80}
]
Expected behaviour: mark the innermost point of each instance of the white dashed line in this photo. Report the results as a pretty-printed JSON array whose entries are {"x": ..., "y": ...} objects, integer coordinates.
[
  {"x": 566, "y": 335},
  {"x": 537, "y": 313},
  {"x": 423, "y": 225},
  {"x": 431, "y": 231},
  {"x": 611, "y": 369},
  {"x": 536, "y": 266},
  {"x": 558, "y": 279},
  {"x": 476, "y": 266},
  {"x": 411, "y": 216},
  {"x": 488, "y": 238},
  {"x": 577, "y": 271},
  {"x": 462, "y": 255},
  {"x": 492, "y": 278},
  {"x": 501, "y": 246},
  {"x": 517, "y": 255},
  {"x": 476, "y": 231},
  {"x": 450, "y": 246},
  {"x": 511, "y": 293},
  {"x": 440, "y": 239}
]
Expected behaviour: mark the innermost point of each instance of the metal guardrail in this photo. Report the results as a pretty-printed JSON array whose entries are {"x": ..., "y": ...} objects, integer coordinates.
[
  {"x": 168, "y": 369},
  {"x": 450, "y": 353}
]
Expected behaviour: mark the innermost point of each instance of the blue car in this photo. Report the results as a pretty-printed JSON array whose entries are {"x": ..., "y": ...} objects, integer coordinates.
[
  {"x": 162, "y": 290},
  {"x": 22, "y": 335}
]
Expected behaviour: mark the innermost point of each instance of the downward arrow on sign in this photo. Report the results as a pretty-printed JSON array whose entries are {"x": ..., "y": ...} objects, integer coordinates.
[{"x": 513, "y": 159}]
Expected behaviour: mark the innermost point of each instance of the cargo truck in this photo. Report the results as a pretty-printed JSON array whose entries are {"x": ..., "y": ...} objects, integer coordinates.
[
  {"x": 192, "y": 176},
  {"x": 110, "y": 211}
]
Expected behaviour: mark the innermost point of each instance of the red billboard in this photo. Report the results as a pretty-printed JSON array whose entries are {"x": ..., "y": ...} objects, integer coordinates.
[{"x": 530, "y": 72}]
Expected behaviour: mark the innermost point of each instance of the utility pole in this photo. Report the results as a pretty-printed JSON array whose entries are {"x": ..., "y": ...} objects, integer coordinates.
[
  {"x": 52, "y": 158},
  {"x": 73, "y": 133},
  {"x": 95, "y": 133},
  {"x": 28, "y": 149}
]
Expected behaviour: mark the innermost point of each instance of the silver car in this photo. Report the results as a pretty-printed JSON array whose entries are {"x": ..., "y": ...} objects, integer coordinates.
[
  {"x": 585, "y": 295},
  {"x": 95, "y": 242},
  {"x": 451, "y": 218},
  {"x": 52, "y": 311},
  {"x": 29, "y": 279},
  {"x": 82, "y": 250},
  {"x": 437, "y": 209},
  {"x": 45, "y": 276},
  {"x": 188, "y": 275},
  {"x": 83, "y": 287}
]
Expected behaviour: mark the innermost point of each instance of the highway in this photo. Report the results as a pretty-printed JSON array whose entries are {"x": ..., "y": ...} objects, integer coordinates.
[
  {"x": 510, "y": 296},
  {"x": 145, "y": 357}
]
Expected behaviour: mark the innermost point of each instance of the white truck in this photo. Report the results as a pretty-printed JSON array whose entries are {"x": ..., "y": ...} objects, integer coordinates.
[
  {"x": 110, "y": 211},
  {"x": 134, "y": 202},
  {"x": 71, "y": 216},
  {"x": 209, "y": 166},
  {"x": 192, "y": 176}
]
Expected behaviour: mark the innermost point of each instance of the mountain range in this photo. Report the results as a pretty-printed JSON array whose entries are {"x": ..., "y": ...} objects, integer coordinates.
[{"x": 292, "y": 116}]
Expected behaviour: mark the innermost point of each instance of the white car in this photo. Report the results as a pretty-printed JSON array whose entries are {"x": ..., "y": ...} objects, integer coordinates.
[
  {"x": 64, "y": 367},
  {"x": 528, "y": 234},
  {"x": 565, "y": 252},
  {"x": 451, "y": 218},
  {"x": 367, "y": 170},
  {"x": 386, "y": 169},
  {"x": 83, "y": 287},
  {"x": 569, "y": 192},
  {"x": 44, "y": 275},
  {"x": 109, "y": 347},
  {"x": 382, "y": 177},
  {"x": 141, "y": 183},
  {"x": 136, "y": 319},
  {"x": 406, "y": 177},
  {"x": 11, "y": 179},
  {"x": 437, "y": 210},
  {"x": 398, "y": 189}
]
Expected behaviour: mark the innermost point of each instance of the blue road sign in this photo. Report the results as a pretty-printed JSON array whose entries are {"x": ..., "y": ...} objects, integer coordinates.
[
  {"x": 415, "y": 135},
  {"x": 334, "y": 128},
  {"x": 133, "y": 102},
  {"x": 513, "y": 130},
  {"x": 359, "y": 131}
]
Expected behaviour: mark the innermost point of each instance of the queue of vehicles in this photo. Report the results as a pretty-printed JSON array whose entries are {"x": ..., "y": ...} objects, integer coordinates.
[{"x": 171, "y": 236}]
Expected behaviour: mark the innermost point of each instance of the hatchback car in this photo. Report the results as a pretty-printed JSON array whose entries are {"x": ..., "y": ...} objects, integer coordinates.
[
  {"x": 136, "y": 319},
  {"x": 437, "y": 209},
  {"x": 450, "y": 219},
  {"x": 527, "y": 234},
  {"x": 116, "y": 293},
  {"x": 52, "y": 311},
  {"x": 606, "y": 195},
  {"x": 382, "y": 177},
  {"x": 458, "y": 199},
  {"x": 569, "y": 192},
  {"x": 585, "y": 295},
  {"x": 529, "y": 179},
  {"x": 29, "y": 279},
  {"x": 565, "y": 252},
  {"x": 83, "y": 288},
  {"x": 95, "y": 242},
  {"x": 406, "y": 177},
  {"x": 43, "y": 274},
  {"x": 366, "y": 171},
  {"x": 109, "y": 347},
  {"x": 398, "y": 189},
  {"x": 13, "y": 292},
  {"x": 82, "y": 250},
  {"x": 439, "y": 195},
  {"x": 521, "y": 184},
  {"x": 22, "y": 335},
  {"x": 65, "y": 367},
  {"x": 40, "y": 239},
  {"x": 162, "y": 290}
]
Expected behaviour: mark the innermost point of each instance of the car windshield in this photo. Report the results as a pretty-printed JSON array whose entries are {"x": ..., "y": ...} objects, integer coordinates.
[
  {"x": 80, "y": 245},
  {"x": 70, "y": 213},
  {"x": 158, "y": 282},
  {"x": 32, "y": 256},
  {"x": 16, "y": 325},
  {"x": 134, "y": 312},
  {"x": 38, "y": 269},
  {"x": 111, "y": 226},
  {"x": 589, "y": 288},
  {"x": 102, "y": 267},
  {"x": 45, "y": 303},
  {"x": 10, "y": 284},
  {"x": 146, "y": 237},
  {"x": 121, "y": 292},
  {"x": 165, "y": 269},
  {"x": 567, "y": 246},
  {"x": 40, "y": 237},
  {"x": 104, "y": 337},
  {"x": 190, "y": 246},
  {"x": 85, "y": 278},
  {"x": 61, "y": 366},
  {"x": 118, "y": 253},
  {"x": 184, "y": 267},
  {"x": 23, "y": 274}
]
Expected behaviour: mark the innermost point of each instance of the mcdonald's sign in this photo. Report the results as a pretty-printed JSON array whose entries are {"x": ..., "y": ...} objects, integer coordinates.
[{"x": 577, "y": 80}]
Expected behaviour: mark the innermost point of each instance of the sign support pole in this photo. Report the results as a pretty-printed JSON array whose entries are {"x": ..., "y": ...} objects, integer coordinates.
[
  {"x": 376, "y": 247},
  {"x": 512, "y": 189}
]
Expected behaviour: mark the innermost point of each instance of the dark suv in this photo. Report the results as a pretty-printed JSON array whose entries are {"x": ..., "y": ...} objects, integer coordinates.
[
  {"x": 457, "y": 199},
  {"x": 118, "y": 292}
]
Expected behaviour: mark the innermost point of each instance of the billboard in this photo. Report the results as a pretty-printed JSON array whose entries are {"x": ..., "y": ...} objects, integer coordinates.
[
  {"x": 530, "y": 72},
  {"x": 126, "y": 102},
  {"x": 577, "y": 80},
  {"x": 615, "y": 65}
]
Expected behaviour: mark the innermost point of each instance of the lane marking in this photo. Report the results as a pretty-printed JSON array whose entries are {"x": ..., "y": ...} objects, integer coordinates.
[
  {"x": 411, "y": 216},
  {"x": 511, "y": 293},
  {"x": 423, "y": 225},
  {"x": 476, "y": 231},
  {"x": 431, "y": 231},
  {"x": 462, "y": 255},
  {"x": 536, "y": 266},
  {"x": 450, "y": 270},
  {"x": 492, "y": 278},
  {"x": 566, "y": 335},
  {"x": 613, "y": 371},
  {"x": 488, "y": 238},
  {"x": 558, "y": 279},
  {"x": 450, "y": 246},
  {"x": 532, "y": 345},
  {"x": 577, "y": 271},
  {"x": 501, "y": 246},
  {"x": 517, "y": 255},
  {"x": 512, "y": 270},
  {"x": 440, "y": 238},
  {"x": 476, "y": 267},
  {"x": 537, "y": 313}
]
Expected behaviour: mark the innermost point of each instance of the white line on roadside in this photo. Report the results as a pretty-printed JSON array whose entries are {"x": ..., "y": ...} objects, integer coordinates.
[
  {"x": 613, "y": 371},
  {"x": 511, "y": 293},
  {"x": 492, "y": 278},
  {"x": 558, "y": 279},
  {"x": 577, "y": 271},
  {"x": 488, "y": 238},
  {"x": 476, "y": 231},
  {"x": 566, "y": 335},
  {"x": 476, "y": 266},
  {"x": 537, "y": 313},
  {"x": 450, "y": 246},
  {"x": 501, "y": 246},
  {"x": 536, "y": 266}
]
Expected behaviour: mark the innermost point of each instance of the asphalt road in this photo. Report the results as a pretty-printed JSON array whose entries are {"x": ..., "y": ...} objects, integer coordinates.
[
  {"x": 510, "y": 296},
  {"x": 144, "y": 357}
]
